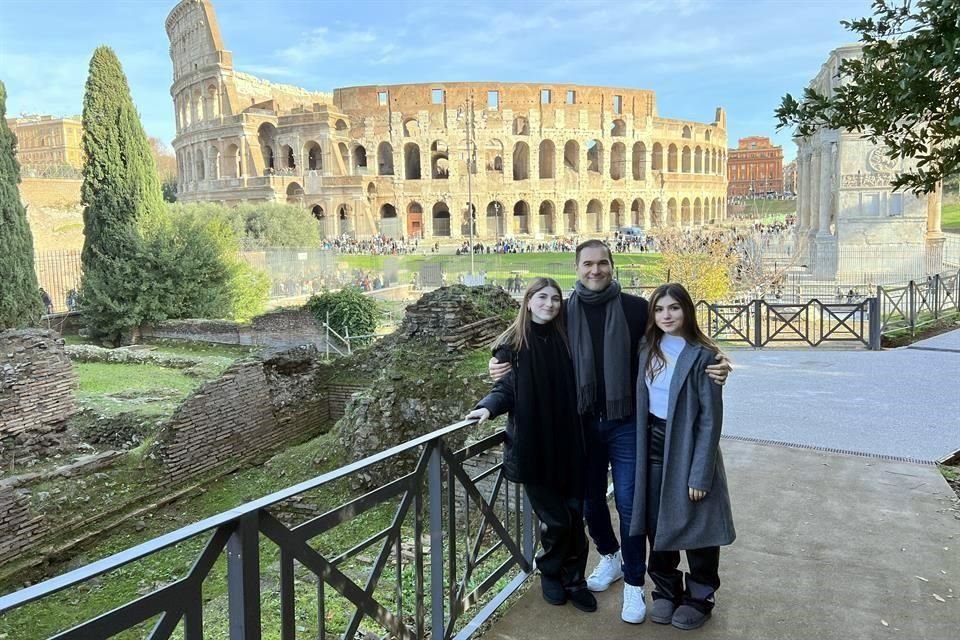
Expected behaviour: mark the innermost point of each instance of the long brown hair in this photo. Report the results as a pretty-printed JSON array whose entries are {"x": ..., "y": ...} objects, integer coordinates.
[
  {"x": 690, "y": 330},
  {"x": 517, "y": 334}
]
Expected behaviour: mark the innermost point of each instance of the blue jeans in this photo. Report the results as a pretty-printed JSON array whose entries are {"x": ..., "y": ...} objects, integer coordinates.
[{"x": 613, "y": 443}]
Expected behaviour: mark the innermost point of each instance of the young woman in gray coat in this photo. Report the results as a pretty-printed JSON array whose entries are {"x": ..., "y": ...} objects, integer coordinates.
[{"x": 681, "y": 501}]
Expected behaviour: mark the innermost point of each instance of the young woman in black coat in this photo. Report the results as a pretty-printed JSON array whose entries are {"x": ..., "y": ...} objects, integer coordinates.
[{"x": 544, "y": 442}]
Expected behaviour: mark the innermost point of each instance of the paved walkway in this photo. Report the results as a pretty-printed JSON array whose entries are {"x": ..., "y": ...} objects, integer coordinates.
[{"x": 829, "y": 545}]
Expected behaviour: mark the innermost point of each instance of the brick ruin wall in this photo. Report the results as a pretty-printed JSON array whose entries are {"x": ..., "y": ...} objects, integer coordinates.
[
  {"x": 36, "y": 388},
  {"x": 282, "y": 328}
]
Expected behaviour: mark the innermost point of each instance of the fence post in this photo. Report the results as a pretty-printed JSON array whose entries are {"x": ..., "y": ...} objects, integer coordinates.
[
  {"x": 911, "y": 307},
  {"x": 346, "y": 335},
  {"x": 757, "y": 323},
  {"x": 243, "y": 579},
  {"x": 437, "y": 595},
  {"x": 327, "y": 327},
  {"x": 873, "y": 309},
  {"x": 936, "y": 296}
]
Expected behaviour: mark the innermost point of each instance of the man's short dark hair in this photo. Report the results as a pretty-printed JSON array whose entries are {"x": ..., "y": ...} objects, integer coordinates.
[{"x": 594, "y": 244}]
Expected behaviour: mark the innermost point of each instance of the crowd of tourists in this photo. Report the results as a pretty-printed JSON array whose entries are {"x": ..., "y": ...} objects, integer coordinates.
[
  {"x": 607, "y": 380},
  {"x": 378, "y": 245}
]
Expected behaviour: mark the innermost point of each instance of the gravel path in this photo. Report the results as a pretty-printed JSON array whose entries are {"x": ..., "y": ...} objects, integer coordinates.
[{"x": 902, "y": 402}]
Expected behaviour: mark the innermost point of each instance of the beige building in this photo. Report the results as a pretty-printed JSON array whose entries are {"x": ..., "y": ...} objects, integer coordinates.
[
  {"x": 46, "y": 142},
  {"x": 535, "y": 160}
]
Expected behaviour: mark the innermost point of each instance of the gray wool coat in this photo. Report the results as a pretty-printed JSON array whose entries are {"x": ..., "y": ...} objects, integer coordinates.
[{"x": 691, "y": 458}]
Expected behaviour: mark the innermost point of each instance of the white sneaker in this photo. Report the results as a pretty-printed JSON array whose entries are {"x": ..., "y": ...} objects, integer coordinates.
[
  {"x": 634, "y": 606},
  {"x": 607, "y": 571}
]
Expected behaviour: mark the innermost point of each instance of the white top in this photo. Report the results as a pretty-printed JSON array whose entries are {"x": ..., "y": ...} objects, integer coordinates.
[{"x": 659, "y": 387}]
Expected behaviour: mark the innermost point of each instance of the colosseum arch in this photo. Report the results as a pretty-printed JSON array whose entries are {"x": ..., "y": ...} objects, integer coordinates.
[
  {"x": 317, "y": 212},
  {"x": 685, "y": 164},
  {"x": 314, "y": 155},
  {"x": 439, "y": 160},
  {"x": 638, "y": 217},
  {"x": 294, "y": 193},
  {"x": 672, "y": 158},
  {"x": 698, "y": 160},
  {"x": 570, "y": 222},
  {"x": 415, "y": 219},
  {"x": 547, "y": 214},
  {"x": 593, "y": 220},
  {"x": 344, "y": 157},
  {"x": 441, "y": 220},
  {"x": 686, "y": 219},
  {"x": 548, "y": 160},
  {"x": 521, "y": 126},
  {"x": 594, "y": 157},
  {"x": 571, "y": 156},
  {"x": 619, "y": 128},
  {"x": 672, "y": 214},
  {"x": 639, "y": 161},
  {"x": 231, "y": 162},
  {"x": 687, "y": 132},
  {"x": 496, "y": 219},
  {"x": 359, "y": 157},
  {"x": 521, "y": 217},
  {"x": 467, "y": 218},
  {"x": 371, "y": 191},
  {"x": 656, "y": 213},
  {"x": 697, "y": 212},
  {"x": 493, "y": 156},
  {"x": 288, "y": 156},
  {"x": 212, "y": 104},
  {"x": 411, "y": 128},
  {"x": 713, "y": 161},
  {"x": 617, "y": 220},
  {"x": 618, "y": 160},
  {"x": 656, "y": 157},
  {"x": 706, "y": 134},
  {"x": 411, "y": 161},
  {"x": 340, "y": 125},
  {"x": 384, "y": 159},
  {"x": 344, "y": 220},
  {"x": 521, "y": 161}
]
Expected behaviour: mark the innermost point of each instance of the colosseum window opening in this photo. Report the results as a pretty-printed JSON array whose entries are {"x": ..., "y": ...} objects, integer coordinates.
[
  {"x": 411, "y": 161},
  {"x": 594, "y": 157},
  {"x": 291, "y": 159},
  {"x": 344, "y": 220},
  {"x": 698, "y": 160},
  {"x": 493, "y": 100},
  {"x": 618, "y": 160},
  {"x": 436, "y": 97},
  {"x": 571, "y": 96},
  {"x": 382, "y": 98},
  {"x": 616, "y": 215},
  {"x": 384, "y": 159},
  {"x": 441, "y": 220},
  {"x": 619, "y": 128},
  {"x": 232, "y": 168},
  {"x": 360, "y": 157},
  {"x": 521, "y": 217},
  {"x": 495, "y": 219},
  {"x": 411, "y": 128},
  {"x": 546, "y": 217},
  {"x": 546, "y": 96},
  {"x": 388, "y": 211},
  {"x": 571, "y": 156},
  {"x": 439, "y": 160},
  {"x": 268, "y": 160},
  {"x": 685, "y": 163},
  {"x": 656, "y": 157},
  {"x": 341, "y": 125},
  {"x": 672, "y": 212},
  {"x": 672, "y": 158},
  {"x": 639, "y": 161},
  {"x": 570, "y": 216},
  {"x": 594, "y": 214},
  {"x": 520, "y": 126},
  {"x": 687, "y": 132},
  {"x": 618, "y": 104},
  {"x": 548, "y": 154},
  {"x": 318, "y": 212},
  {"x": 494, "y": 156},
  {"x": 706, "y": 135},
  {"x": 521, "y": 161},
  {"x": 636, "y": 213}
]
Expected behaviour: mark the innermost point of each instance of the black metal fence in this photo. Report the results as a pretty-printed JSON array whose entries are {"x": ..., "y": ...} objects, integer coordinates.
[
  {"x": 918, "y": 303},
  {"x": 58, "y": 272},
  {"x": 455, "y": 543}
]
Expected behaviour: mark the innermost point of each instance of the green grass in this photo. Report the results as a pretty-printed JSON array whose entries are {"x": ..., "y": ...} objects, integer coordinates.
[
  {"x": 147, "y": 389},
  {"x": 950, "y": 473},
  {"x": 951, "y": 217}
]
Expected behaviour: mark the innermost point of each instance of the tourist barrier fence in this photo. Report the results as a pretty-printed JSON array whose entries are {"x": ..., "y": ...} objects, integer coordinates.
[
  {"x": 456, "y": 542},
  {"x": 918, "y": 303}
]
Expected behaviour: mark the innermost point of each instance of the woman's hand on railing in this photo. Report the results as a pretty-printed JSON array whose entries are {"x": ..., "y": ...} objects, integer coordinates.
[{"x": 481, "y": 415}]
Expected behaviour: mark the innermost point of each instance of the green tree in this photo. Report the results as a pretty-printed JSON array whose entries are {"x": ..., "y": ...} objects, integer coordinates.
[
  {"x": 121, "y": 198},
  {"x": 904, "y": 91},
  {"x": 19, "y": 293},
  {"x": 348, "y": 308}
]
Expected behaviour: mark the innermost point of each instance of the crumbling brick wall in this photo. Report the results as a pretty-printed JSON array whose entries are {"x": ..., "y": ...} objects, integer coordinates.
[
  {"x": 282, "y": 328},
  {"x": 36, "y": 388},
  {"x": 17, "y": 518},
  {"x": 258, "y": 405}
]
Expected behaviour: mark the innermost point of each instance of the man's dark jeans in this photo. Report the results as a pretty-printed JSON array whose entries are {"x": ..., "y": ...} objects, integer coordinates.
[{"x": 613, "y": 443}]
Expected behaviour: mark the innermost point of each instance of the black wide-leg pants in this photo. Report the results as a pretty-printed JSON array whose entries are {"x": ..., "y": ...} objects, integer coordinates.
[
  {"x": 563, "y": 541},
  {"x": 703, "y": 579}
]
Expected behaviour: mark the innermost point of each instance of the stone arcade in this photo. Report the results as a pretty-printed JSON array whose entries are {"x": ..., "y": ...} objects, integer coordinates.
[{"x": 543, "y": 160}]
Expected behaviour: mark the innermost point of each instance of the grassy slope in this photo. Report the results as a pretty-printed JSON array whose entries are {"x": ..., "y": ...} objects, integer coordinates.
[{"x": 951, "y": 217}]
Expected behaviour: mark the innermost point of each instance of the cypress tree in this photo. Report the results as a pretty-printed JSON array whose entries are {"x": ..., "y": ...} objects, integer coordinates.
[
  {"x": 121, "y": 197},
  {"x": 19, "y": 293}
]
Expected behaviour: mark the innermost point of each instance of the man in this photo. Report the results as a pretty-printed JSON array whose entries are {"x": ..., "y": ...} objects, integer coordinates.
[
  {"x": 47, "y": 301},
  {"x": 605, "y": 327}
]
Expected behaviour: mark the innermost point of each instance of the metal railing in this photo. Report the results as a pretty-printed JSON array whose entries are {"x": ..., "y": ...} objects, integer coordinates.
[
  {"x": 759, "y": 323},
  {"x": 480, "y": 551},
  {"x": 917, "y": 304}
]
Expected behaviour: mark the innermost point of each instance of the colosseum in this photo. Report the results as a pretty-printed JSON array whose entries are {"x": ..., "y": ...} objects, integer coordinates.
[{"x": 528, "y": 160}]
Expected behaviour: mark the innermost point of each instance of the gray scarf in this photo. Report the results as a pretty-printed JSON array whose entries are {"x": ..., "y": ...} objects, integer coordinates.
[{"x": 616, "y": 351}]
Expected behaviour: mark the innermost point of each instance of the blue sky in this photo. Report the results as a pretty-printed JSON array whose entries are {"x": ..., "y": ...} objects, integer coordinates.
[{"x": 696, "y": 54}]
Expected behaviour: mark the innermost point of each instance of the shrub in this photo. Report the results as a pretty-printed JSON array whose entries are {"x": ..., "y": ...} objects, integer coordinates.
[{"x": 348, "y": 308}]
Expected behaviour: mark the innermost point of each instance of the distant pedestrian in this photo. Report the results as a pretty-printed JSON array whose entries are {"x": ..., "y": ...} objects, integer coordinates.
[{"x": 47, "y": 302}]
